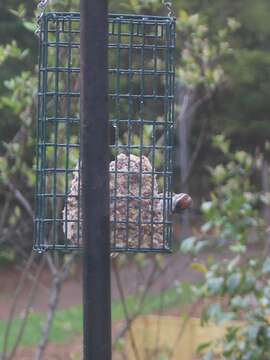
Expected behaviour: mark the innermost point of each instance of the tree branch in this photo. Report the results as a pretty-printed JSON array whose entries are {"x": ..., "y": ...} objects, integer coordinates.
[
  {"x": 27, "y": 310},
  {"x": 20, "y": 198}
]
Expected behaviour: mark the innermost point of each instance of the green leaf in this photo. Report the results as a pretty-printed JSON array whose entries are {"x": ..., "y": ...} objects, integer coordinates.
[
  {"x": 31, "y": 26},
  {"x": 240, "y": 302},
  {"x": 266, "y": 266},
  {"x": 215, "y": 285},
  {"x": 209, "y": 356},
  {"x": 206, "y": 227},
  {"x": 200, "y": 245},
  {"x": 199, "y": 267},
  {"x": 238, "y": 248},
  {"x": 206, "y": 206},
  {"x": 233, "y": 282},
  {"x": 188, "y": 245},
  {"x": 202, "y": 347},
  {"x": 253, "y": 331}
]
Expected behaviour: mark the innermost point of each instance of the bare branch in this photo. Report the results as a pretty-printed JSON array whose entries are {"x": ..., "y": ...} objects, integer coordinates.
[
  {"x": 58, "y": 277},
  {"x": 196, "y": 151},
  {"x": 53, "y": 302},
  {"x": 123, "y": 301},
  {"x": 151, "y": 279},
  {"x": 14, "y": 303},
  {"x": 20, "y": 198},
  {"x": 27, "y": 310},
  {"x": 5, "y": 212},
  {"x": 51, "y": 264}
]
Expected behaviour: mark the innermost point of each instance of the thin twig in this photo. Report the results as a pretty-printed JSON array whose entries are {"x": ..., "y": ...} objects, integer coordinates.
[
  {"x": 5, "y": 212},
  {"x": 27, "y": 310},
  {"x": 151, "y": 279},
  {"x": 53, "y": 302},
  {"x": 196, "y": 151},
  {"x": 123, "y": 301},
  {"x": 181, "y": 331},
  {"x": 14, "y": 303},
  {"x": 20, "y": 198},
  {"x": 59, "y": 275}
]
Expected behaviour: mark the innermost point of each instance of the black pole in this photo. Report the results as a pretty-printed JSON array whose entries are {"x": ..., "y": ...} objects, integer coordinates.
[{"x": 95, "y": 180}]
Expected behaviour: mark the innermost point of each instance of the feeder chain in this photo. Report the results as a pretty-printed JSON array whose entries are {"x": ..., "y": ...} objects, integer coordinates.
[
  {"x": 168, "y": 4},
  {"x": 42, "y": 6}
]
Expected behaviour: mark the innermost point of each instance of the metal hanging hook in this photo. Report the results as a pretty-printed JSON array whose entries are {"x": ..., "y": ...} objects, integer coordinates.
[
  {"x": 41, "y": 5},
  {"x": 168, "y": 4}
]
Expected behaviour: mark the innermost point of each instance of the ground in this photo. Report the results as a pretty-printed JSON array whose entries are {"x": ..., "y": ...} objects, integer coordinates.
[
  {"x": 71, "y": 293},
  {"x": 132, "y": 279}
]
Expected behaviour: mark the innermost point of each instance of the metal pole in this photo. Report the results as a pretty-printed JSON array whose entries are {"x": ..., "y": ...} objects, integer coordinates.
[{"x": 95, "y": 180}]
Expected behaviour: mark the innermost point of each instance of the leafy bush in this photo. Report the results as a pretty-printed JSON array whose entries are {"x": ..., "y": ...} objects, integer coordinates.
[{"x": 236, "y": 286}]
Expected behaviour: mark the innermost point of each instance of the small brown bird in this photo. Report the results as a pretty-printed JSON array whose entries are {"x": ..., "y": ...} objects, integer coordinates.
[{"x": 138, "y": 213}]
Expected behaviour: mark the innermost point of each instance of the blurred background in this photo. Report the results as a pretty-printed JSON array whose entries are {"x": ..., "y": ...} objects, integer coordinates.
[{"x": 210, "y": 299}]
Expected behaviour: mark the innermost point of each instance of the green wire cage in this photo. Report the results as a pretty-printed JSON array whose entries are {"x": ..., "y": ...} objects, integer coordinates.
[{"x": 141, "y": 114}]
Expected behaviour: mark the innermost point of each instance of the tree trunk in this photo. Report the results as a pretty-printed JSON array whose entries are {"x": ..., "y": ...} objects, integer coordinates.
[{"x": 185, "y": 99}]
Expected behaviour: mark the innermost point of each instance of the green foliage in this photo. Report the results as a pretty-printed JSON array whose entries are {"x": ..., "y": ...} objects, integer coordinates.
[
  {"x": 238, "y": 286},
  {"x": 17, "y": 162},
  {"x": 11, "y": 50},
  {"x": 201, "y": 51}
]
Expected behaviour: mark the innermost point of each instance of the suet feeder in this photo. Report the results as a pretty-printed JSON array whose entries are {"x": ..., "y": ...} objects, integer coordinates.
[{"x": 141, "y": 114}]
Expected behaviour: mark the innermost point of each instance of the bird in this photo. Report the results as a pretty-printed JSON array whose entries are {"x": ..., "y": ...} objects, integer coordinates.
[{"x": 139, "y": 214}]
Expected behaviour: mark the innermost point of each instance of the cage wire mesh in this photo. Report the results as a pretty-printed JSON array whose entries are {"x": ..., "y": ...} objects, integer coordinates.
[{"x": 141, "y": 114}]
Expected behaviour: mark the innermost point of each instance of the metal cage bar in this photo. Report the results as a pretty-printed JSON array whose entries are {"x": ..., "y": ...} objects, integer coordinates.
[{"x": 141, "y": 113}]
